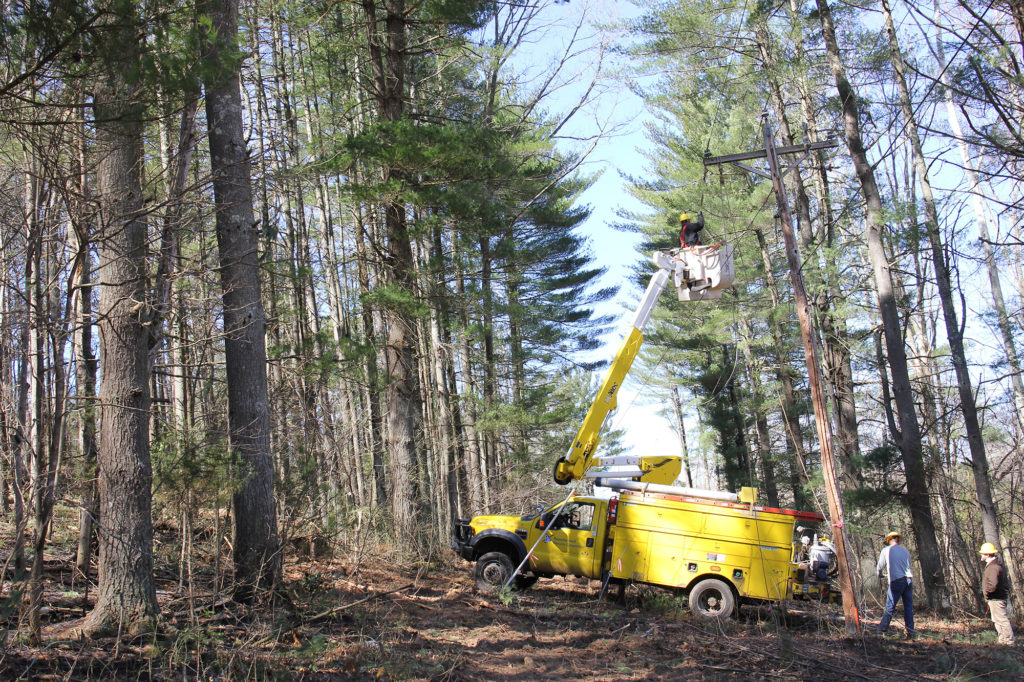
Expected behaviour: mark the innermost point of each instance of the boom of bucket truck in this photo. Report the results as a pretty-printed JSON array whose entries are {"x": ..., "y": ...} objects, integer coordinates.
[{"x": 698, "y": 273}]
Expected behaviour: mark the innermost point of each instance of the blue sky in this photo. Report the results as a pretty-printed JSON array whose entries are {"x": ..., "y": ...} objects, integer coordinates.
[{"x": 618, "y": 109}]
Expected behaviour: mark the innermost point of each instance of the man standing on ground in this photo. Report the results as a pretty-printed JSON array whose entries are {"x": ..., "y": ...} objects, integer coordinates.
[
  {"x": 996, "y": 587},
  {"x": 894, "y": 561}
]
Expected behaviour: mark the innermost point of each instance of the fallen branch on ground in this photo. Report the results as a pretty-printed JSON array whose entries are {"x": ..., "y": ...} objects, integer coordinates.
[{"x": 343, "y": 607}]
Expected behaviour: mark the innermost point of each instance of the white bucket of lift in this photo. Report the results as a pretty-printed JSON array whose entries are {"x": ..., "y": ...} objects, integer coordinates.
[{"x": 703, "y": 272}]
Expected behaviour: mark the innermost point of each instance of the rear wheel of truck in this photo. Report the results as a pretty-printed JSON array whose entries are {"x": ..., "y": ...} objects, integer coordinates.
[
  {"x": 713, "y": 599},
  {"x": 492, "y": 571}
]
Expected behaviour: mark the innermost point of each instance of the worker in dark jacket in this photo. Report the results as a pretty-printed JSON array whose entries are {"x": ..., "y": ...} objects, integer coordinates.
[
  {"x": 894, "y": 563},
  {"x": 996, "y": 587},
  {"x": 689, "y": 230}
]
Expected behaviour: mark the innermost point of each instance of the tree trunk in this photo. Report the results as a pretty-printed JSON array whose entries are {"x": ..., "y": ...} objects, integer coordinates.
[
  {"x": 517, "y": 357},
  {"x": 917, "y": 496},
  {"x": 737, "y": 465},
  {"x": 51, "y": 442},
  {"x": 476, "y": 481},
  {"x": 447, "y": 491},
  {"x": 401, "y": 394},
  {"x": 489, "y": 446},
  {"x": 256, "y": 552},
  {"x": 20, "y": 443},
  {"x": 7, "y": 428},
  {"x": 361, "y": 227},
  {"x": 86, "y": 385},
  {"x": 979, "y": 458},
  {"x": 41, "y": 417},
  {"x": 376, "y": 436},
  {"x": 763, "y": 443},
  {"x": 835, "y": 348},
  {"x": 126, "y": 595},
  {"x": 818, "y": 302},
  {"x": 979, "y": 205},
  {"x": 677, "y": 408}
]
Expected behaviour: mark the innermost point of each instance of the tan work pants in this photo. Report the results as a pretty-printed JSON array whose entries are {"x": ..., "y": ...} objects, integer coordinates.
[{"x": 997, "y": 609}]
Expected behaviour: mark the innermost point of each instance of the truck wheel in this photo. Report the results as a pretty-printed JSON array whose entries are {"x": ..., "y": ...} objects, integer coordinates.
[
  {"x": 712, "y": 599},
  {"x": 492, "y": 571}
]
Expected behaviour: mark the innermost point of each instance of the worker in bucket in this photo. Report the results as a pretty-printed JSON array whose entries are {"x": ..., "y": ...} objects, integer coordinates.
[
  {"x": 996, "y": 586},
  {"x": 689, "y": 230},
  {"x": 894, "y": 563}
]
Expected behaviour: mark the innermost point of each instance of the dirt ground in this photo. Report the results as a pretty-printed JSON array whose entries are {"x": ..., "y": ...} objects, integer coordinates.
[{"x": 393, "y": 622}]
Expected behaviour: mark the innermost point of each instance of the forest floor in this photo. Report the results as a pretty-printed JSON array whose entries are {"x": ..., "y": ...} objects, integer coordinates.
[{"x": 399, "y": 622}]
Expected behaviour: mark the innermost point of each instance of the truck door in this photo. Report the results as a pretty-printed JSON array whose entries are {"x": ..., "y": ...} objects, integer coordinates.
[{"x": 571, "y": 545}]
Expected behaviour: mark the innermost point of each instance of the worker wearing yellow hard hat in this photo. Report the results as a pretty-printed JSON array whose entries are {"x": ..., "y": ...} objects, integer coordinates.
[
  {"x": 996, "y": 586},
  {"x": 689, "y": 229},
  {"x": 894, "y": 563}
]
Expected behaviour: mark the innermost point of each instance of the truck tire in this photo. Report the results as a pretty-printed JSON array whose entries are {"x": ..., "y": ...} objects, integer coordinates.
[
  {"x": 492, "y": 571},
  {"x": 712, "y": 599}
]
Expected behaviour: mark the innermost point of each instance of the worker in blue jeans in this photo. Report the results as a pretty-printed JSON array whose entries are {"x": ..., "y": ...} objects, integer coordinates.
[{"x": 894, "y": 563}]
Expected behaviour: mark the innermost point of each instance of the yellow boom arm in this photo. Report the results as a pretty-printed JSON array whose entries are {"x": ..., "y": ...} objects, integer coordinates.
[
  {"x": 580, "y": 457},
  {"x": 699, "y": 273}
]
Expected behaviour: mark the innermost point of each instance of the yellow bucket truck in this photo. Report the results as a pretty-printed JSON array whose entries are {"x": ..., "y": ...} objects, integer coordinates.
[{"x": 720, "y": 548}]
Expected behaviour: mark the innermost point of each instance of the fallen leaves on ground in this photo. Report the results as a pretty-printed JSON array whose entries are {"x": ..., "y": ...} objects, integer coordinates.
[{"x": 397, "y": 622}]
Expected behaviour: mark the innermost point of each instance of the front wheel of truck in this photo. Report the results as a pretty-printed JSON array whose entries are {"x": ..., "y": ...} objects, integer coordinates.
[
  {"x": 492, "y": 571},
  {"x": 712, "y": 599}
]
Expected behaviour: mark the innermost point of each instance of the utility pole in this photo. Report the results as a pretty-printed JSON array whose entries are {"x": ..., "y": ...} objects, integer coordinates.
[{"x": 828, "y": 464}]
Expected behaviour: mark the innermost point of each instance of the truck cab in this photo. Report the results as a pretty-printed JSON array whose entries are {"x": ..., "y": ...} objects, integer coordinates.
[{"x": 574, "y": 533}]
